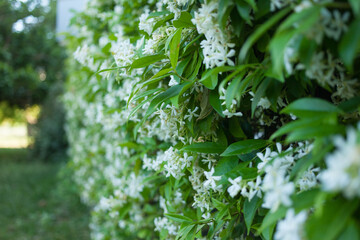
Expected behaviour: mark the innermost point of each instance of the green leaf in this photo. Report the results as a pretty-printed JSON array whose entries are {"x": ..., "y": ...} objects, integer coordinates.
[
  {"x": 236, "y": 129},
  {"x": 260, "y": 92},
  {"x": 154, "y": 80},
  {"x": 205, "y": 106},
  {"x": 355, "y": 6},
  {"x": 305, "y": 200},
  {"x": 162, "y": 21},
  {"x": 351, "y": 232},
  {"x": 303, "y": 21},
  {"x": 157, "y": 14},
  {"x": 225, "y": 165},
  {"x": 244, "y": 11},
  {"x": 162, "y": 72},
  {"x": 184, "y": 231},
  {"x": 225, "y": 7},
  {"x": 174, "y": 48},
  {"x": 310, "y": 107},
  {"x": 138, "y": 106},
  {"x": 332, "y": 216},
  {"x": 164, "y": 234},
  {"x": 210, "y": 77},
  {"x": 350, "y": 105},
  {"x": 147, "y": 60},
  {"x": 162, "y": 97},
  {"x": 184, "y": 86},
  {"x": 245, "y": 146},
  {"x": 249, "y": 210},
  {"x": 146, "y": 93},
  {"x": 306, "y": 50},
  {"x": 244, "y": 172},
  {"x": 195, "y": 73},
  {"x": 350, "y": 43},
  {"x": 317, "y": 154},
  {"x": 271, "y": 218},
  {"x": 252, "y": 3},
  {"x": 299, "y": 125},
  {"x": 314, "y": 132},
  {"x": 205, "y": 147},
  {"x": 233, "y": 89},
  {"x": 191, "y": 234},
  {"x": 184, "y": 21},
  {"x": 215, "y": 102},
  {"x": 260, "y": 31},
  {"x": 218, "y": 204},
  {"x": 224, "y": 214},
  {"x": 178, "y": 218}
]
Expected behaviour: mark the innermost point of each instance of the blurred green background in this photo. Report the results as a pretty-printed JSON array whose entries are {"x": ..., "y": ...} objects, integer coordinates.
[
  {"x": 38, "y": 199},
  {"x": 32, "y": 75}
]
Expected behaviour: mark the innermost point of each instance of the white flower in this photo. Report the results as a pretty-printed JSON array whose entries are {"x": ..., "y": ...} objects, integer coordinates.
[
  {"x": 191, "y": 114},
  {"x": 276, "y": 186},
  {"x": 178, "y": 198},
  {"x": 255, "y": 188},
  {"x": 277, "y": 4},
  {"x": 320, "y": 69},
  {"x": 303, "y": 5},
  {"x": 279, "y": 194},
  {"x": 173, "y": 8},
  {"x": 308, "y": 179},
  {"x": 82, "y": 55},
  {"x": 264, "y": 103},
  {"x": 172, "y": 82},
  {"x": 123, "y": 52},
  {"x": 184, "y": 2},
  {"x": 337, "y": 25},
  {"x": 291, "y": 53},
  {"x": 343, "y": 166},
  {"x": 209, "y": 159},
  {"x": 265, "y": 158},
  {"x": 292, "y": 227},
  {"x": 235, "y": 188},
  {"x": 163, "y": 223},
  {"x": 216, "y": 46},
  {"x": 229, "y": 114},
  {"x": 134, "y": 186},
  {"x": 149, "y": 47},
  {"x": 345, "y": 89},
  {"x": 210, "y": 182},
  {"x": 146, "y": 23}
]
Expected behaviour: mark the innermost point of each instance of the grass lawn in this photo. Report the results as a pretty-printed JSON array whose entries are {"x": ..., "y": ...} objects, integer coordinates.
[{"x": 38, "y": 201}]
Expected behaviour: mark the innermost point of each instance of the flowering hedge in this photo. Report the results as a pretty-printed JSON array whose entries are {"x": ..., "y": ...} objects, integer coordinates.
[{"x": 227, "y": 119}]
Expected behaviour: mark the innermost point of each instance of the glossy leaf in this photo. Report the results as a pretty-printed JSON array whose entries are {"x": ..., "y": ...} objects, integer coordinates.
[
  {"x": 205, "y": 147},
  {"x": 310, "y": 107},
  {"x": 245, "y": 146},
  {"x": 162, "y": 97},
  {"x": 249, "y": 210},
  {"x": 260, "y": 31},
  {"x": 174, "y": 48},
  {"x": 333, "y": 217},
  {"x": 184, "y": 21},
  {"x": 178, "y": 218},
  {"x": 147, "y": 60},
  {"x": 350, "y": 44}
]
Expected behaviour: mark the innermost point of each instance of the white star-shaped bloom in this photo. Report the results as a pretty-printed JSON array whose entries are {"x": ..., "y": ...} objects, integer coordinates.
[{"x": 211, "y": 179}]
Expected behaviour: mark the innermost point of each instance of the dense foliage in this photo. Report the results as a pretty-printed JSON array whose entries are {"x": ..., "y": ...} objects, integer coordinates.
[
  {"x": 32, "y": 71},
  {"x": 30, "y": 57},
  {"x": 227, "y": 119}
]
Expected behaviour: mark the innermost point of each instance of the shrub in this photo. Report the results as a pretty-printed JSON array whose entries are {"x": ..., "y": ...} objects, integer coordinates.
[
  {"x": 218, "y": 119},
  {"x": 50, "y": 143}
]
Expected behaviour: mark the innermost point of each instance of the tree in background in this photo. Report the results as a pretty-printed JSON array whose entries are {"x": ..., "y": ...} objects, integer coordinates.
[{"x": 31, "y": 68}]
